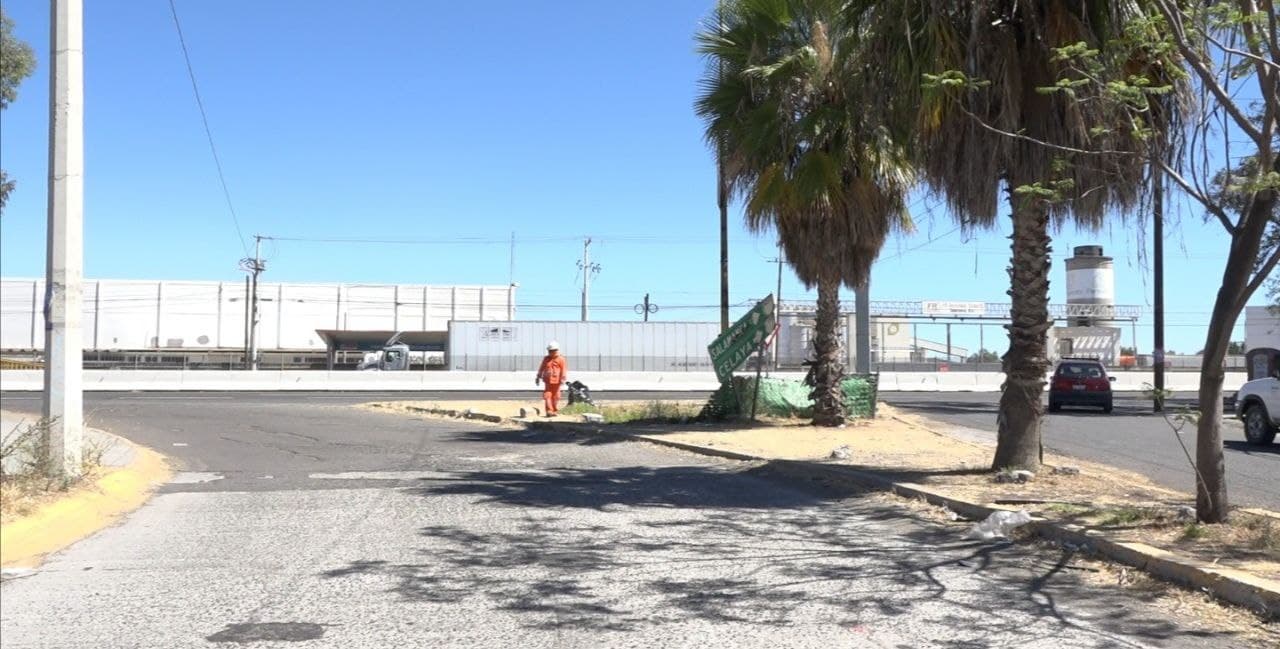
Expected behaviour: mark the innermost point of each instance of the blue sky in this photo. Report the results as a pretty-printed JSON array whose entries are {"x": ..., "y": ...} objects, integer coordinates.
[{"x": 447, "y": 121}]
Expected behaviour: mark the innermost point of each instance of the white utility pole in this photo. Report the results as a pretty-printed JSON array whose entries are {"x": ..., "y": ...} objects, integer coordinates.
[
  {"x": 63, "y": 402},
  {"x": 587, "y": 269}
]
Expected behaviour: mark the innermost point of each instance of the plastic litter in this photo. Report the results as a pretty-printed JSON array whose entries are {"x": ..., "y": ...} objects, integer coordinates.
[
  {"x": 1015, "y": 477},
  {"x": 998, "y": 525},
  {"x": 842, "y": 453},
  {"x": 592, "y": 418}
]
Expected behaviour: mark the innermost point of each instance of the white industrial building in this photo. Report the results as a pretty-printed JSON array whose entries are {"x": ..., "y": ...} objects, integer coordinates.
[
  {"x": 1261, "y": 328},
  {"x": 193, "y": 315},
  {"x": 588, "y": 346}
]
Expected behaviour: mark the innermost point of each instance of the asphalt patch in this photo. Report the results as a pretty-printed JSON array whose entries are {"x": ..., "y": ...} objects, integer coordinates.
[{"x": 269, "y": 632}]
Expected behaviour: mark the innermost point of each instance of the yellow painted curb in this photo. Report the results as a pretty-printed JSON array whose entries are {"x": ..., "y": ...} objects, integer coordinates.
[{"x": 82, "y": 511}]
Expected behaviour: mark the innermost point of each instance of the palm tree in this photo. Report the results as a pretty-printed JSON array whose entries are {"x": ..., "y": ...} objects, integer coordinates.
[
  {"x": 969, "y": 84},
  {"x": 802, "y": 158}
]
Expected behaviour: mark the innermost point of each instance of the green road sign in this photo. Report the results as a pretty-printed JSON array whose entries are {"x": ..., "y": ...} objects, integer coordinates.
[{"x": 732, "y": 348}]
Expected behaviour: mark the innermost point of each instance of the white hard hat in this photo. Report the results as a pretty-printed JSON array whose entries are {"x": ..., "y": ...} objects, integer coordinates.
[{"x": 553, "y": 346}]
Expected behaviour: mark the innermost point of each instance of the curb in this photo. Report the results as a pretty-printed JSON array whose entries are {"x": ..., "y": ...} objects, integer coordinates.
[{"x": 83, "y": 511}]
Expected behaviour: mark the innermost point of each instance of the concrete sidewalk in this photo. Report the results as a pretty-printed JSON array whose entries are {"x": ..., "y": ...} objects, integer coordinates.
[{"x": 949, "y": 467}]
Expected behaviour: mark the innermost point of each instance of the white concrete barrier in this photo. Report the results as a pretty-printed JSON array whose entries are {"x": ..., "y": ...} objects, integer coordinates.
[{"x": 305, "y": 380}]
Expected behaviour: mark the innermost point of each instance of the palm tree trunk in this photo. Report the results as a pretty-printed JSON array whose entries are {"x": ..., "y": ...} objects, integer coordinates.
[
  {"x": 1018, "y": 444},
  {"x": 827, "y": 370}
]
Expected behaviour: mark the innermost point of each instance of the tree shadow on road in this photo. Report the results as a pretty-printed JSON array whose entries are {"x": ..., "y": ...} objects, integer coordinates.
[
  {"x": 623, "y": 549},
  {"x": 1252, "y": 449}
]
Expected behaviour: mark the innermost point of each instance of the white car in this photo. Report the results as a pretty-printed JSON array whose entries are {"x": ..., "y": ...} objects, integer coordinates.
[{"x": 1258, "y": 406}]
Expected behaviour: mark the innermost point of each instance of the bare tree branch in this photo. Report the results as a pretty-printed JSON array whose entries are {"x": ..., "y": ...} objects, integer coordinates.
[
  {"x": 1258, "y": 59},
  {"x": 1260, "y": 277},
  {"x": 1201, "y": 198},
  {"x": 1027, "y": 138},
  {"x": 1206, "y": 75}
]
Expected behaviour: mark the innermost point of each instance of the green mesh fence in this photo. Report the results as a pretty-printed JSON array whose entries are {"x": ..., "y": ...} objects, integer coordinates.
[{"x": 783, "y": 398}]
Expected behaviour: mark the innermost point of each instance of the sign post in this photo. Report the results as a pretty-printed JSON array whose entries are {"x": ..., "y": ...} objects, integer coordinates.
[{"x": 732, "y": 348}]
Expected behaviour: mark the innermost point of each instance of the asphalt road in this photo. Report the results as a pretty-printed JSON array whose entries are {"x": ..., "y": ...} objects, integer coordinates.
[
  {"x": 1131, "y": 437},
  {"x": 295, "y": 520}
]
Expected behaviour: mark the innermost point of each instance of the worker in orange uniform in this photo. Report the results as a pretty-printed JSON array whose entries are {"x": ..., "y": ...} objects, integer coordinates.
[{"x": 551, "y": 374}]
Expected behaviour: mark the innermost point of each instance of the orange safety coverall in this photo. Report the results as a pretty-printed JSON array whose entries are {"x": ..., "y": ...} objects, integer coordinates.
[{"x": 552, "y": 373}]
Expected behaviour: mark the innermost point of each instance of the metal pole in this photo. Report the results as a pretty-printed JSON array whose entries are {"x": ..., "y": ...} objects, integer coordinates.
[
  {"x": 586, "y": 275},
  {"x": 862, "y": 321},
  {"x": 915, "y": 342},
  {"x": 1133, "y": 330},
  {"x": 62, "y": 405},
  {"x": 646, "y": 307},
  {"x": 253, "y": 319},
  {"x": 778, "y": 302},
  {"x": 1157, "y": 218},
  {"x": 948, "y": 342},
  {"x": 755, "y": 398},
  {"x": 722, "y": 201},
  {"x": 248, "y": 314},
  {"x": 982, "y": 344}
]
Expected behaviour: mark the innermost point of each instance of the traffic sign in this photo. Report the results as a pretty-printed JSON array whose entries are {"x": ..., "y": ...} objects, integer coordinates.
[{"x": 732, "y": 348}]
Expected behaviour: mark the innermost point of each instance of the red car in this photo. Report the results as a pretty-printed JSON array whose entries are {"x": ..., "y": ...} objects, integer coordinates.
[{"x": 1080, "y": 382}]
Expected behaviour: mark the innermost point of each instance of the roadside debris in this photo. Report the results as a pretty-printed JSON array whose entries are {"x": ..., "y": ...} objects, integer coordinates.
[
  {"x": 1015, "y": 477},
  {"x": 593, "y": 418},
  {"x": 841, "y": 453},
  {"x": 1066, "y": 470},
  {"x": 998, "y": 525}
]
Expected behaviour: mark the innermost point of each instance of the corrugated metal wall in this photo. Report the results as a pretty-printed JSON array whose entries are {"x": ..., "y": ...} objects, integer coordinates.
[
  {"x": 588, "y": 346},
  {"x": 128, "y": 314}
]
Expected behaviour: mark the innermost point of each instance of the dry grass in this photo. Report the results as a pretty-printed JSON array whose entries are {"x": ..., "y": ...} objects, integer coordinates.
[
  {"x": 1197, "y": 609},
  {"x": 33, "y": 483}
]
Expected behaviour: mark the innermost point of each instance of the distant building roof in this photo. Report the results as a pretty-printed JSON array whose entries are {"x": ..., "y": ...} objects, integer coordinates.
[{"x": 369, "y": 340}]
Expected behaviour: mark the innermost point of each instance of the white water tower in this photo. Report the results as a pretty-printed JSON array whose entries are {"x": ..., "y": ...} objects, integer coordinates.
[{"x": 1091, "y": 280}]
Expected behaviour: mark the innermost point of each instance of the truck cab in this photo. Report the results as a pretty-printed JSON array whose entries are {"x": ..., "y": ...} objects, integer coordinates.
[
  {"x": 391, "y": 358},
  {"x": 1258, "y": 401}
]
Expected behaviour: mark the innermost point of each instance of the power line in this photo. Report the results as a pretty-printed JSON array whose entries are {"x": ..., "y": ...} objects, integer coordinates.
[
  {"x": 204, "y": 119},
  {"x": 480, "y": 240}
]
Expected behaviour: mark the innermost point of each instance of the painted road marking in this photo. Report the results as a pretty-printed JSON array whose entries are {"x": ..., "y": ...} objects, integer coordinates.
[
  {"x": 403, "y": 475},
  {"x": 195, "y": 477}
]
